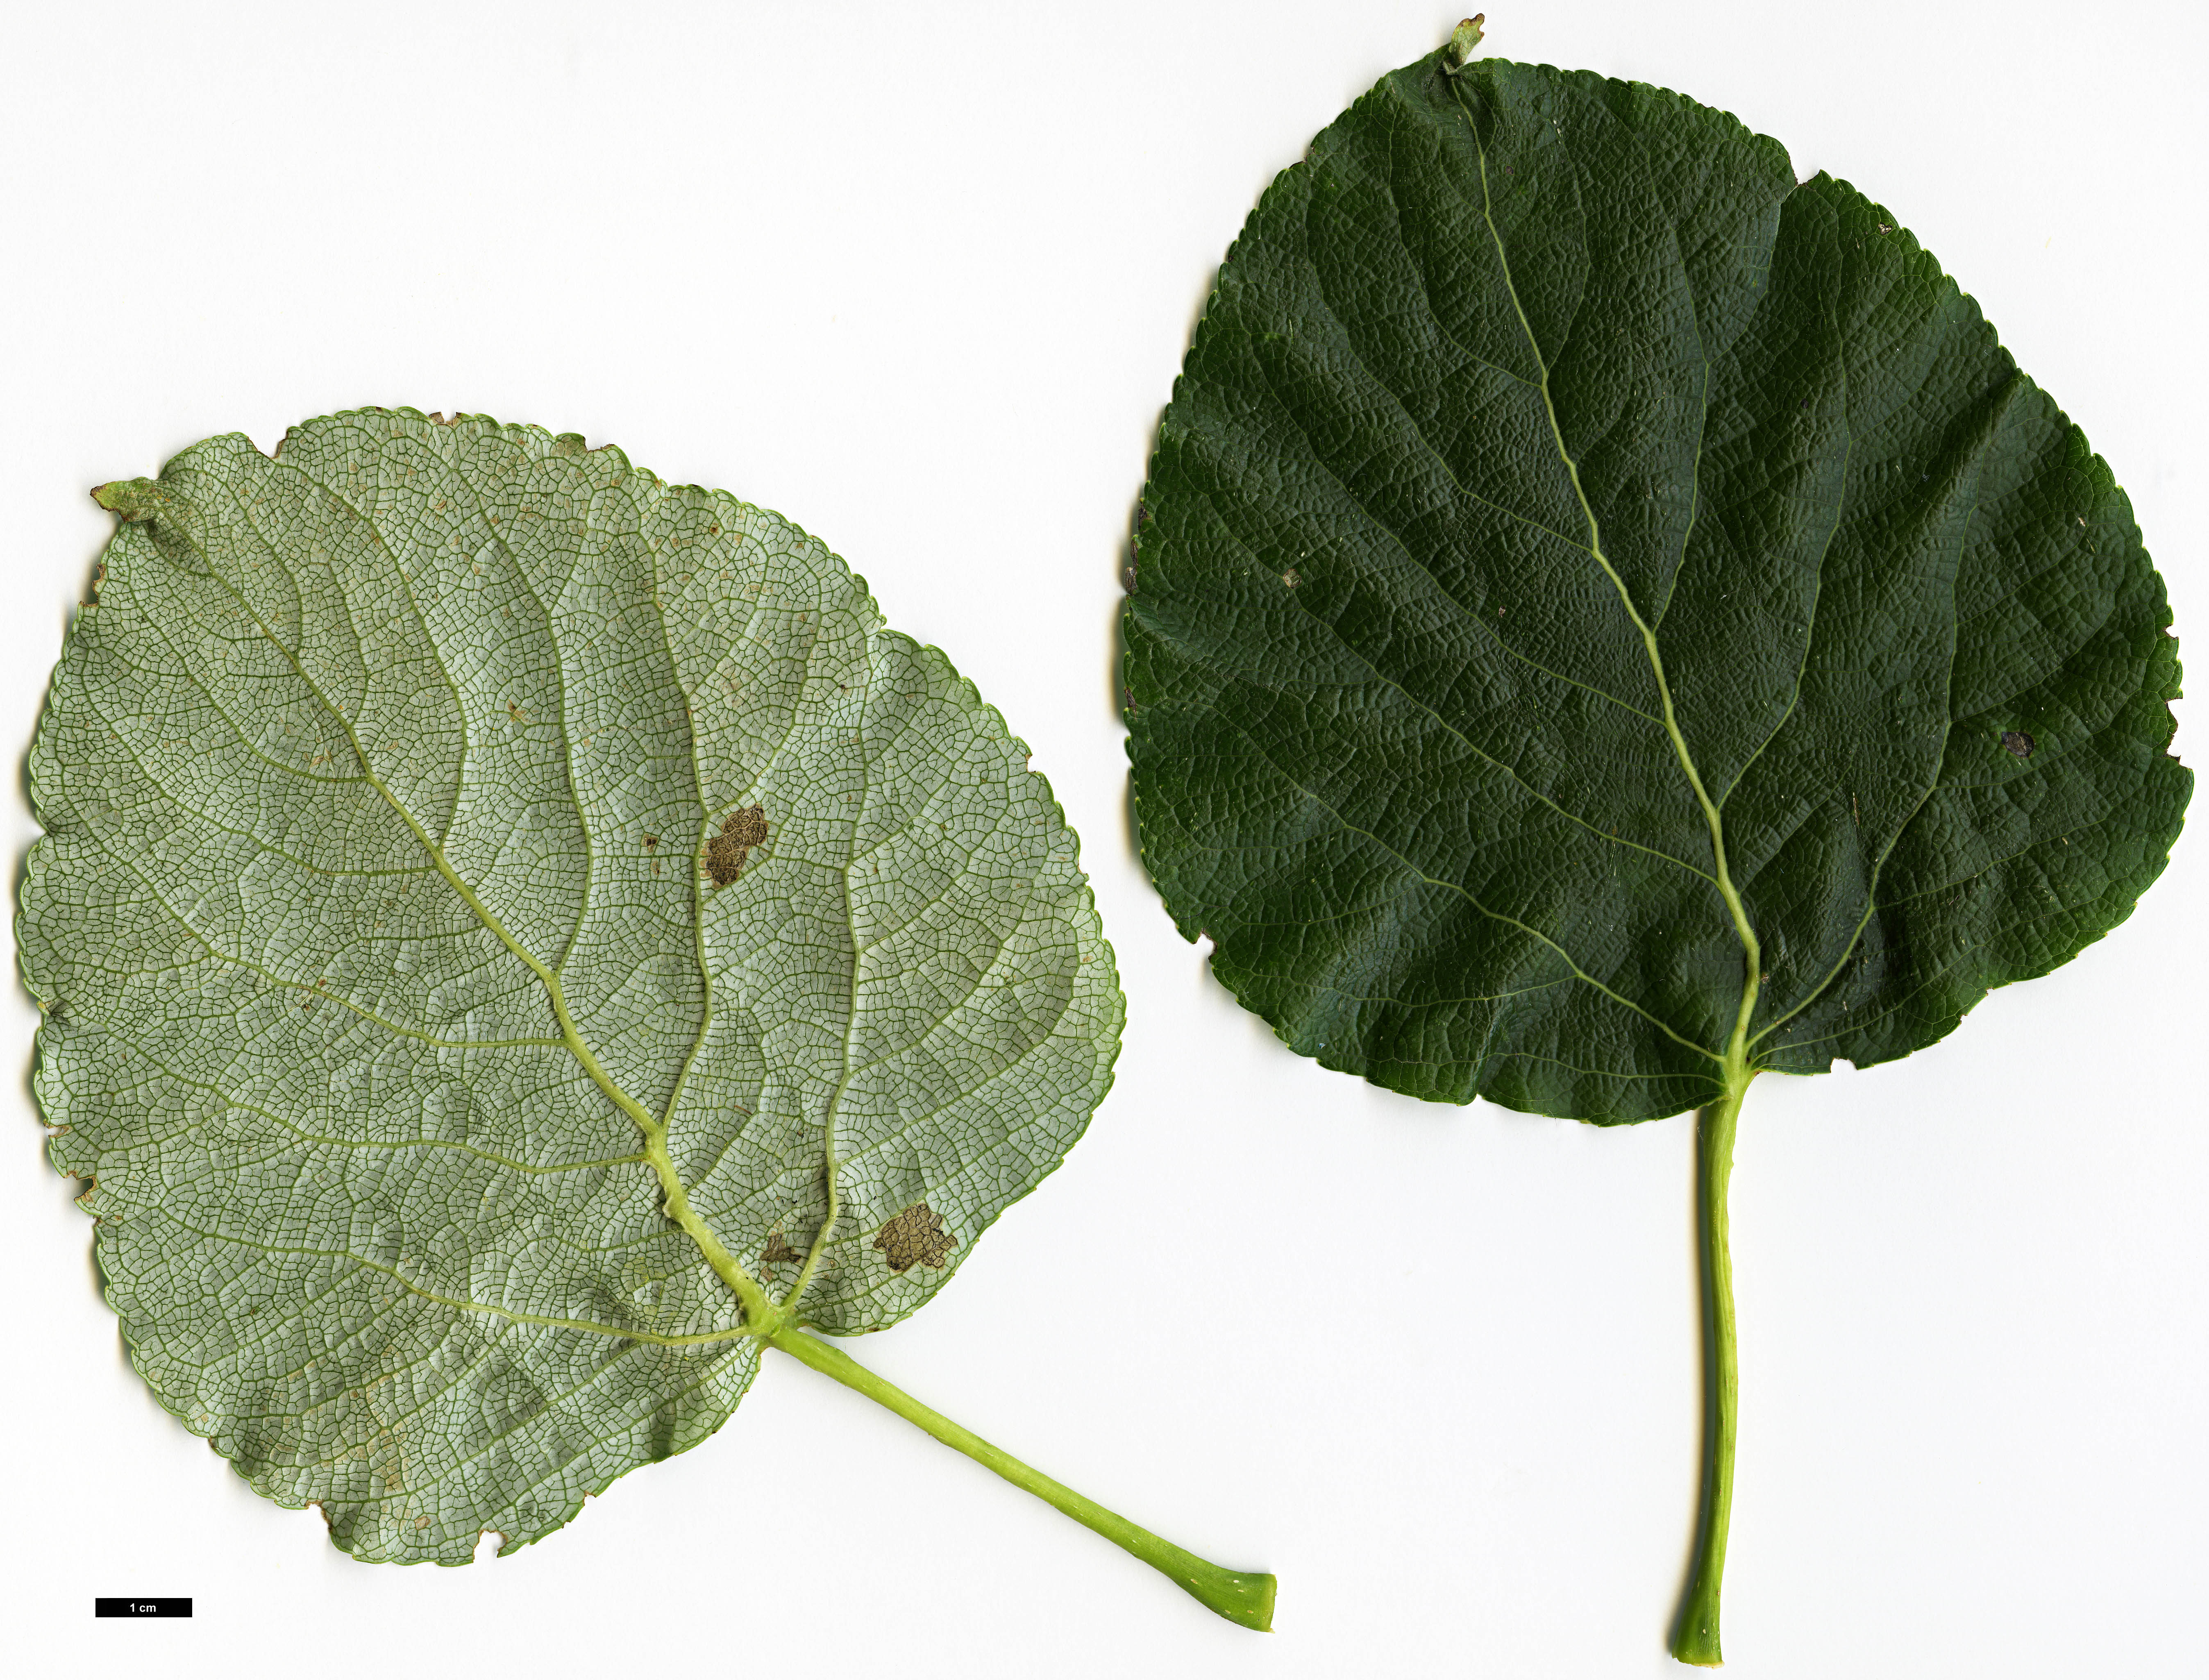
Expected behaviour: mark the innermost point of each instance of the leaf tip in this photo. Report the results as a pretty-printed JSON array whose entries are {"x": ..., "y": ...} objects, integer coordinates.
[
  {"x": 1464, "y": 39},
  {"x": 135, "y": 499}
]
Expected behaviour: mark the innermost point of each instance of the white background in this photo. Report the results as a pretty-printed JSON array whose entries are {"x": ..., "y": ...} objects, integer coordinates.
[{"x": 920, "y": 277}]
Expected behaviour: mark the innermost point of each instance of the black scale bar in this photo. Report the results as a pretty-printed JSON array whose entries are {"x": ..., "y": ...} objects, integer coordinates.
[{"x": 142, "y": 1606}]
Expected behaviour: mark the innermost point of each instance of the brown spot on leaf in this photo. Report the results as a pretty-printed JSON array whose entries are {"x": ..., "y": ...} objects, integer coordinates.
[
  {"x": 915, "y": 1237},
  {"x": 778, "y": 1252},
  {"x": 725, "y": 852},
  {"x": 2018, "y": 742}
]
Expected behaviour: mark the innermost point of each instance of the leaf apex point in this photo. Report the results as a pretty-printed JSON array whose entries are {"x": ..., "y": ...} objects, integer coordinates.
[{"x": 1463, "y": 38}]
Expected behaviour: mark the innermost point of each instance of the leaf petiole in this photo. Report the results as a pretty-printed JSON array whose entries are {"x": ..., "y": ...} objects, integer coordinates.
[
  {"x": 1695, "y": 1639},
  {"x": 1247, "y": 1600}
]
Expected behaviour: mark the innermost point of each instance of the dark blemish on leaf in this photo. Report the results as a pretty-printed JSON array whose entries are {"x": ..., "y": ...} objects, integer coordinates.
[
  {"x": 726, "y": 851},
  {"x": 915, "y": 1237},
  {"x": 2018, "y": 742},
  {"x": 776, "y": 1253}
]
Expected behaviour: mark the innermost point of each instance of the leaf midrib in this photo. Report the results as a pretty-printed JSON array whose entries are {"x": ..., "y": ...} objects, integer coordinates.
[
  {"x": 1736, "y": 1054},
  {"x": 761, "y": 1315}
]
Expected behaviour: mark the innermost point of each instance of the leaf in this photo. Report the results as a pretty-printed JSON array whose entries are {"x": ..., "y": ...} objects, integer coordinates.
[
  {"x": 513, "y": 933},
  {"x": 1576, "y": 554},
  {"x": 1610, "y": 620}
]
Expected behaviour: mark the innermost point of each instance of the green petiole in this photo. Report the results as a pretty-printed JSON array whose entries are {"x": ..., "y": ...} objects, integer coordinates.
[
  {"x": 1695, "y": 1639},
  {"x": 1247, "y": 1600}
]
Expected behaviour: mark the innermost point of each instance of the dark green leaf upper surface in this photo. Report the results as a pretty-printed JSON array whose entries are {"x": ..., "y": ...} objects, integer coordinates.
[
  {"x": 1563, "y": 516},
  {"x": 415, "y": 800}
]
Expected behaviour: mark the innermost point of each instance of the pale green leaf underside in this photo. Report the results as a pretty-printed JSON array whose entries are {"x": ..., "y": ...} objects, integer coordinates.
[{"x": 362, "y": 752}]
